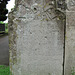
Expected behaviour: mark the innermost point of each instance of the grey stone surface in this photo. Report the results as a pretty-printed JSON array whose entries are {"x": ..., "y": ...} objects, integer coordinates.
[
  {"x": 36, "y": 39},
  {"x": 70, "y": 5},
  {"x": 70, "y": 38},
  {"x": 70, "y": 43}
]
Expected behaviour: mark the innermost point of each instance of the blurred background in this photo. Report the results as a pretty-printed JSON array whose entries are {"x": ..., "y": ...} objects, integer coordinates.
[{"x": 5, "y": 7}]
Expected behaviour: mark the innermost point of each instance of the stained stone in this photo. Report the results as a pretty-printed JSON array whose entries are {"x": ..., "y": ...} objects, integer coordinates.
[
  {"x": 36, "y": 42},
  {"x": 70, "y": 39}
]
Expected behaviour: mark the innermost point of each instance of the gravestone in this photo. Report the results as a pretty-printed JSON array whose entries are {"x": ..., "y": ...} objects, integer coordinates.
[
  {"x": 36, "y": 38},
  {"x": 70, "y": 38}
]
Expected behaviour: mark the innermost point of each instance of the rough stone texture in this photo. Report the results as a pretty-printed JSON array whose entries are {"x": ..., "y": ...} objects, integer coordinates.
[
  {"x": 36, "y": 39},
  {"x": 70, "y": 38}
]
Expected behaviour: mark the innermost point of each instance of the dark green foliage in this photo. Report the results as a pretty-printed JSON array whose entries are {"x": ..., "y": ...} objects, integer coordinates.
[
  {"x": 3, "y": 10},
  {"x": 3, "y": 18}
]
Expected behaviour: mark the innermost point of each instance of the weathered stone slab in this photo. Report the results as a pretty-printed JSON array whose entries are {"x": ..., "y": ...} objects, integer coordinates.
[
  {"x": 36, "y": 39},
  {"x": 70, "y": 38},
  {"x": 70, "y": 43}
]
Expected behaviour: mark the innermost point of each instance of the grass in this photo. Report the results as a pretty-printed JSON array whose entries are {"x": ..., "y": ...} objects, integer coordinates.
[
  {"x": 4, "y": 70},
  {"x": 6, "y": 30},
  {"x": 73, "y": 71}
]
